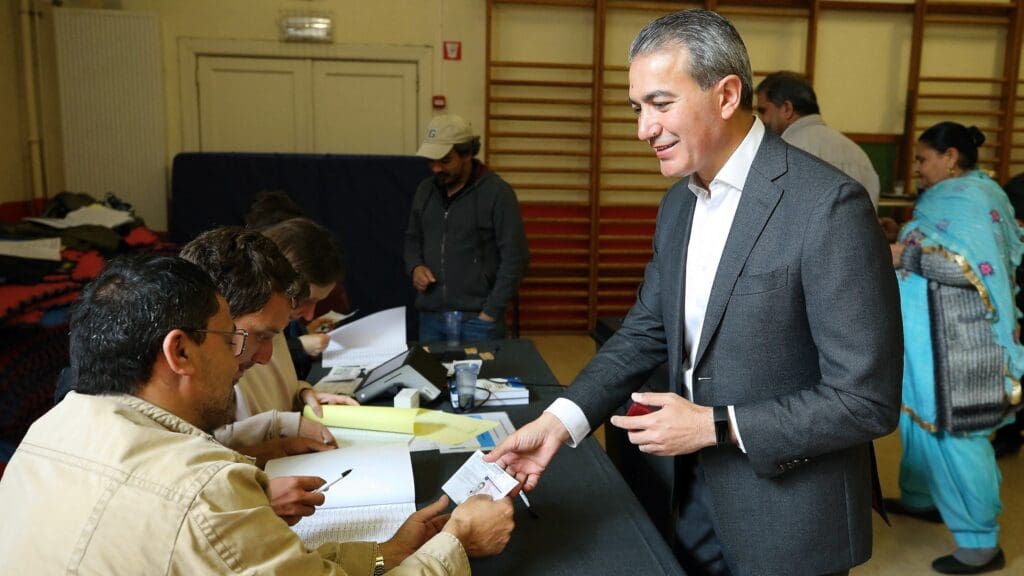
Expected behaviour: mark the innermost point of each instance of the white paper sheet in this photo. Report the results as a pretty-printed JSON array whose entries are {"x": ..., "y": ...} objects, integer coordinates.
[
  {"x": 486, "y": 441},
  {"x": 368, "y": 341},
  {"x": 356, "y": 524},
  {"x": 96, "y": 214},
  {"x": 40, "y": 249},
  {"x": 381, "y": 473}
]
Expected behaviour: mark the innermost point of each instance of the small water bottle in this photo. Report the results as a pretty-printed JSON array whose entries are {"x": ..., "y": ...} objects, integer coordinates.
[
  {"x": 465, "y": 384},
  {"x": 453, "y": 327}
]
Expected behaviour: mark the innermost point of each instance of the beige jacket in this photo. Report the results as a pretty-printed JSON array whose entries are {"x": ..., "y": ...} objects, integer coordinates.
[
  {"x": 270, "y": 386},
  {"x": 115, "y": 485},
  {"x": 812, "y": 135}
]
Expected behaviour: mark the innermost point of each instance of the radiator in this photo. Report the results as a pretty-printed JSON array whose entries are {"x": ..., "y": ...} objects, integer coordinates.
[{"x": 111, "y": 103}]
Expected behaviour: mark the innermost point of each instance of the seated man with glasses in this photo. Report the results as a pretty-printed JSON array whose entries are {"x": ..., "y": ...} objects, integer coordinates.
[
  {"x": 259, "y": 285},
  {"x": 123, "y": 476},
  {"x": 235, "y": 338}
]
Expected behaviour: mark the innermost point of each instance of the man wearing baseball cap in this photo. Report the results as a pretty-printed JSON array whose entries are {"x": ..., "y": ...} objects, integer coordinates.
[{"x": 465, "y": 248}]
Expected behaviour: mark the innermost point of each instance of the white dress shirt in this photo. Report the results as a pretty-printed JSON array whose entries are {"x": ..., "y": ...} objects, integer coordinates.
[{"x": 712, "y": 220}]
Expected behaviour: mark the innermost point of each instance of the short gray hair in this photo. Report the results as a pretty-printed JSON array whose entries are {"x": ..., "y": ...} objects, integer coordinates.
[{"x": 715, "y": 48}]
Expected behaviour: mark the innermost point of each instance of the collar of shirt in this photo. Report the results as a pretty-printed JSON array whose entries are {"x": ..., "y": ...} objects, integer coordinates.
[
  {"x": 734, "y": 172},
  {"x": 803, "y": 122}
]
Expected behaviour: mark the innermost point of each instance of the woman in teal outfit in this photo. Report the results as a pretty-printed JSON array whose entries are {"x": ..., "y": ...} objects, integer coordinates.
[{"x": 962, "y": 363}]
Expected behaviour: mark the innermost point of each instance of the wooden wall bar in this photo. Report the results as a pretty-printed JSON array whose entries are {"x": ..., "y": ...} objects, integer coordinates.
[{"x": 561, "y": 134}]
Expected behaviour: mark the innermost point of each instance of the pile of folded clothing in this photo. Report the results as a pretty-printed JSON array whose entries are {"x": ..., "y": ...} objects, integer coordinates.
[{"x": 44, "y": 262}]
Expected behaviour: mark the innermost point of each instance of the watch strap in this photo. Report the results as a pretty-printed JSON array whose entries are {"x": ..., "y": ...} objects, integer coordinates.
[
  {"x": 721, "y": 414},
  {"x": 378, "y": 564}
]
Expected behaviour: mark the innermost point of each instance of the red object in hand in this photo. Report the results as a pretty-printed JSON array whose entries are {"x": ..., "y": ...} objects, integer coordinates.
[{"x": 640, "y": 409}]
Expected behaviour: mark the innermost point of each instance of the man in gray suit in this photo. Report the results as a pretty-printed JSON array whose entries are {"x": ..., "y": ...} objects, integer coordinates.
[{"x": 771, "y": 297}]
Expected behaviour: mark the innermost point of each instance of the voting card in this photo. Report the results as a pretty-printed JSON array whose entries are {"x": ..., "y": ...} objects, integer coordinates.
[{"x": 478, "y": 477}]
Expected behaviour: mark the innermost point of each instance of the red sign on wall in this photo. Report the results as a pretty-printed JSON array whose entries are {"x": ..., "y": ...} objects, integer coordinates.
[{"x": 452, "y": 50}]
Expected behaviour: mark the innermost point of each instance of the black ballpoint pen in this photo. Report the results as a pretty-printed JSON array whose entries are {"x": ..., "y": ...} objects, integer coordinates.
[{"x": 327, "y": 486}]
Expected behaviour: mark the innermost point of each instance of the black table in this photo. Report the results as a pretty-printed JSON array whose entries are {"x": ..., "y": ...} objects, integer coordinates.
[
  {"x": 650, "y": 477},
  {"x": 589, "y": 522}
]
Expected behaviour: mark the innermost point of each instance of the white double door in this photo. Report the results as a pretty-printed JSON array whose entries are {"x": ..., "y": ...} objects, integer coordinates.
[{"x": 257, "y": 104}]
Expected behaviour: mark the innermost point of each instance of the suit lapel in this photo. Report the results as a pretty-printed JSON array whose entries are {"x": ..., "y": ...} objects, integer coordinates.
[
  {"x": 681, "y": 238},
  {"x": 759, "y": 198}
]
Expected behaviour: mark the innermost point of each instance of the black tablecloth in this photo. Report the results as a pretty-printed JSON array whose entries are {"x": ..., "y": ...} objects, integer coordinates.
[{"x": 589, "y": 522}]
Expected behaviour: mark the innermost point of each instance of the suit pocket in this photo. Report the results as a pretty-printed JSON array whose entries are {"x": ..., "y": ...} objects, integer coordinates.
[{"x": 758, "y": 283}]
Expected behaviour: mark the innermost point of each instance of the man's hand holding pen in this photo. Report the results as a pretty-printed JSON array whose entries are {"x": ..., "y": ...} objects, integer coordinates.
[{"x": 293, "y": 497}]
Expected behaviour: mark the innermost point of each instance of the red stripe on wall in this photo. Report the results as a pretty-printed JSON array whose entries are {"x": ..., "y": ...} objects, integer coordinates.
[{"x": 14, "y": 211}]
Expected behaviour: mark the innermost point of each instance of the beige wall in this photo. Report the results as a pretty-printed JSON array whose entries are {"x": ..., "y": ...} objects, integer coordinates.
[
  {"x": 14, "y": 173},
  {"x": 863, "y": 62},
  {"x": 861, "y": 72},
  {"x": 387, "y": 22},
  {"x": 359, "y": 22}
]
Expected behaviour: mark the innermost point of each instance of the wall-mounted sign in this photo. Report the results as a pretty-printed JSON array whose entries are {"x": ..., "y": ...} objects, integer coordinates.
[{"x": 452, "y": 50}]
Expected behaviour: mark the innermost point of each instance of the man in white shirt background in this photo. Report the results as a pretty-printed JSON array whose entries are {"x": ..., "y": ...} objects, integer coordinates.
[{"x": 788, "y": 106}]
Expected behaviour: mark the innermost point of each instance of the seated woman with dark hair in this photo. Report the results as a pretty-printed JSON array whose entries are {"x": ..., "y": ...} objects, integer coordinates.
[{"x": 957, "y": 261}]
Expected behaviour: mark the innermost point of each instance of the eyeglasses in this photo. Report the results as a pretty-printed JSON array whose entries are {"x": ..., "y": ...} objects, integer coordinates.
[
  {"x": 236, "y": 338},
  {"x": 296, "y": 303}
]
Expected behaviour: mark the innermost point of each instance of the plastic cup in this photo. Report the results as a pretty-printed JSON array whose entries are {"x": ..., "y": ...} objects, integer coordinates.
[
  {"x": 453, "y": 327},
  {"x": 465, "y": 383}
]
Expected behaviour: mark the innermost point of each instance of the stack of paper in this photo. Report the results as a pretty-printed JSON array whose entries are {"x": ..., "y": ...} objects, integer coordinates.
[
  {"x": 432, "y": 425},
  {"x": 369, "y": 341},
  {"x": 93, "y": 214},
  {"x": 502, "y": 393},
  {"x": 369, "y": 504},
  {"x": 39, "y": 249},
  {"x": 486, "y": 441}
]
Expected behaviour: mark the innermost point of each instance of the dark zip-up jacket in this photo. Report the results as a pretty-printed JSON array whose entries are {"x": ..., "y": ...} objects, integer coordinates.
[{"x": 473, "y": 243}]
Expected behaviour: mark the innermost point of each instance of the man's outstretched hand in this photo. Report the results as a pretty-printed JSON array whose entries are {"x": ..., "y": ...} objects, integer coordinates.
[{"x": 527, "y": 453}]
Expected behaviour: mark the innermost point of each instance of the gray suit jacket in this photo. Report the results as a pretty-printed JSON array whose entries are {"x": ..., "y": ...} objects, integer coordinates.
[{"x": 802, "y": 334}]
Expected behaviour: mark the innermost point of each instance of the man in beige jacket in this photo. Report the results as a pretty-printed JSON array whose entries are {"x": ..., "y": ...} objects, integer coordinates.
[
  {"x": 260, "y": 285},
  {"x": 123, "y": 476}
]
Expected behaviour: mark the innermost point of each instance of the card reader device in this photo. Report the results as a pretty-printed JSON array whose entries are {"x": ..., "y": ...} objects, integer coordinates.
[{"x": 414, "y": 368}]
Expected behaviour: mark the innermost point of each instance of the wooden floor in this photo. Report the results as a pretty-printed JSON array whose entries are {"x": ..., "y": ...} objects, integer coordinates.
[{"x": 909, "y": 546}]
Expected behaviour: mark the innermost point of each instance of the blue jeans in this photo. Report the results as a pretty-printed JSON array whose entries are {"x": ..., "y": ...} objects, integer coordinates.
[{"x": 432, "y": 328}]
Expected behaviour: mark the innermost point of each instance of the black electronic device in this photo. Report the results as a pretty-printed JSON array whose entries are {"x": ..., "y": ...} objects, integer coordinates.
[{"x": 413, "y": 368}]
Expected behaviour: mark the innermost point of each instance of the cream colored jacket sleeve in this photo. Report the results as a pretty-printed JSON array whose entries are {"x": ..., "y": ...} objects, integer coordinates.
[
  {"x": 230, "y": 527},
  {"x": 259, "y": 428}
]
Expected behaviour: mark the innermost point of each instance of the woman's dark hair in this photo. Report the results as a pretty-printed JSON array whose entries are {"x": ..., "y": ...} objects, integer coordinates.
[
  {"x": 310, "y": 249},
  {"x": 946, "y": 135},
  {"x": 271, "y": 207},
  {"x": 122, "y": 317}
]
